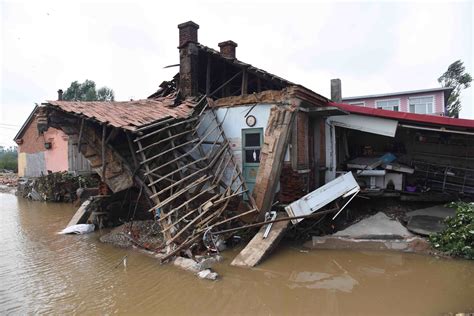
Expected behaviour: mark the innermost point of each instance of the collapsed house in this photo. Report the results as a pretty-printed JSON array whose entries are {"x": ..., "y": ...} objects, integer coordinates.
[
  {"x": 198, "y": 147},
  {"x": 410, "y": 156},
  {"x": 215, "y": 148}
]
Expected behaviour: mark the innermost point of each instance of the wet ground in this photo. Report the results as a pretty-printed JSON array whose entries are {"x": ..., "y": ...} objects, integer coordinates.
[{"x": 41, "y": 272}]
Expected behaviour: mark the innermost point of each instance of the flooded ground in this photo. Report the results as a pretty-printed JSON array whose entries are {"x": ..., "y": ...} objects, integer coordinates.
[{"x": 41, "y": 272}]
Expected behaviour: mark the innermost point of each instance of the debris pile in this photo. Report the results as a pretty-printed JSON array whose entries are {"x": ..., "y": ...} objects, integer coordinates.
[
  {"x": 195, "y": 182},
  {"x": 8, "y": 182},
  {"x": 144, "y": 234},
  {"x": 54, "y": 187}
]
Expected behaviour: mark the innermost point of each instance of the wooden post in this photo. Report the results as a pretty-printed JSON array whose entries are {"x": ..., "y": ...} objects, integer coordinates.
[
  {"x": 208, "y": 75},
  {"x": 245, "y": 77},
  {"x": 81, "y": 130},
  {"x": 104, "y": 131}
]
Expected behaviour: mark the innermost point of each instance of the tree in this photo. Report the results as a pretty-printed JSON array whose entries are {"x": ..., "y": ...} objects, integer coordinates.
[
  {"x": 86, "y": 91},
  {"x": 457, "y": 78},
  {"x": 105, "y": 94}
]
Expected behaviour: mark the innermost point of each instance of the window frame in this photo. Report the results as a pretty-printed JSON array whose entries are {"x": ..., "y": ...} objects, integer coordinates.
[
  {"x": 433, "y": 104},
  {"x": 358, "y": 103},
  {"x": 392, "y": 99}
]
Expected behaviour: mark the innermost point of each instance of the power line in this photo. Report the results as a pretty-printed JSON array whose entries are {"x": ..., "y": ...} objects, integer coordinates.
[
  {"x": 10, "y": 128},
  {"x": 9, "y": 125}
]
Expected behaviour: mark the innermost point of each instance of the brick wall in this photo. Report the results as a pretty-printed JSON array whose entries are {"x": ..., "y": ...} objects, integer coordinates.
[
  {"x": 293, "y": 185},
  {"x": 302, "y": 140},
  {"x": 33, "y": 142}
]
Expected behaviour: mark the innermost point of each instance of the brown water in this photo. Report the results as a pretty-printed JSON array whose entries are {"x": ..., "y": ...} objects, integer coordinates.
[{"x": 45, "y": 273}]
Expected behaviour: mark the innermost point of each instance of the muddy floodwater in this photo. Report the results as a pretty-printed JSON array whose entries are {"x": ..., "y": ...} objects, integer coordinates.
[{"x": 42, "y": 272}]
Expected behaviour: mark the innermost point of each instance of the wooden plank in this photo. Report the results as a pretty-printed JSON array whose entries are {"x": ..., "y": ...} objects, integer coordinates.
[
  {"x": 165, "y": 128},
  {"x": 104, "y": 130},
  {"x": 272, "y": 155},
  {"x": 245, "y": 77},
  {"x": 258, "y": 248},
  {"x": 82, "y": 213},
  {"x": 208, "y": 75}
]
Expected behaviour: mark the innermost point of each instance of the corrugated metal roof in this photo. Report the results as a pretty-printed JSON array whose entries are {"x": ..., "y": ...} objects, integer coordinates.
[
  {"x": 404, "y": 116},
  {"x": 128, "y": 115}
]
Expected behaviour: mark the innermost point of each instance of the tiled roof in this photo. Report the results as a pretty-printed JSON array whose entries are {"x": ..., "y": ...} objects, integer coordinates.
[{"x": 128, "y": 115}]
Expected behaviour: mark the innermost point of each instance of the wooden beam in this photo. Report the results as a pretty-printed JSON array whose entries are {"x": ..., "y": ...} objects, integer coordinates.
[
  {"x": 225, "y": 84},
  {"x": 165, "y": 128},
  {"x": 245, "y": 77},
  {"x": 104, "y": 130},
  {"x": 208, "y": 75},
  {"x": 161, "y": 141},
  {"x": 132, "y": 151},
  {"x": 81, "y": 130}
]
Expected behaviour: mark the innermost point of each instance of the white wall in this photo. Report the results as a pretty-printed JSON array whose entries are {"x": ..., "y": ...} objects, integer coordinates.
[{"x": 233, "y": 121}]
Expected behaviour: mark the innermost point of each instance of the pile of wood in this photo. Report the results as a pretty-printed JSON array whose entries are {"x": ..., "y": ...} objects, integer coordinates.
[{"x": 193, "y": 178}]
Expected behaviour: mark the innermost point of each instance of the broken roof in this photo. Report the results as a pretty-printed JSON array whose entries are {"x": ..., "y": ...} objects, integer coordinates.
[
  {"x": 129, "y": 115},
  {"x": 258, "y": 71},
  {"x": 404, "y": 116}
]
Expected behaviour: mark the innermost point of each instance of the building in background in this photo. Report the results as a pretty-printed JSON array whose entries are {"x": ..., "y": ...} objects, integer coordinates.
[
  {"x": 426, "y": 101},
  {"x": 40, "y": 153}
]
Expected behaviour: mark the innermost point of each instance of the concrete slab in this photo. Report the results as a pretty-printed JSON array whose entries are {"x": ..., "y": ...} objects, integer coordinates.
[
  {"x": 373, "y": 226},
  {"x": 436, "y": 211},
  {"x": 425, "y": 225},
  {"x": 411, "y": 244}
]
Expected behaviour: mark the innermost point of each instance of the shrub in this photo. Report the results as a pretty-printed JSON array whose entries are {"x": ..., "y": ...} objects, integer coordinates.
[{"x": 457, "y": 239}]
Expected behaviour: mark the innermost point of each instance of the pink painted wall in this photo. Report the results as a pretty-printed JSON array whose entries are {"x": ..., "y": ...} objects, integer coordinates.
[
  {"x": 57, "y": 157},
  {"x": 438, "y": 101}
]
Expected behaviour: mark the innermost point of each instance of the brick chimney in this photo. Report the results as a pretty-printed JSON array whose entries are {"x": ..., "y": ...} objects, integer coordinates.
[
  {"x": 188, "y": 58},
  {"x": 60, "y": 95},
  {"x": 336, "y": 90},
  {"x": 188, "y": 32},
  {"x": 228, "y": 49}
]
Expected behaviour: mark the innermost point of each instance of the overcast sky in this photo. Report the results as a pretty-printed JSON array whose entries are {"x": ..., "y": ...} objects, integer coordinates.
[{"x": 373, "y": 47}]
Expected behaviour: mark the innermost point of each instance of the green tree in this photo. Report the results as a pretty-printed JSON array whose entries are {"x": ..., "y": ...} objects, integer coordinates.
[
  {"x": 457, "y": 78},
  {"x": 8, "y": 158},
  {"x": 105, "y": 94},
  {"x": 86, "y": 91}
]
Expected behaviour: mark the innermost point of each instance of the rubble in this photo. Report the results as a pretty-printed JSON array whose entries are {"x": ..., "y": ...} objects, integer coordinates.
[
  {"x": 54, "y": 187},
  {"x": 8, "y": 182},
  {"x": 146, "y": 234},
  {"x": 197, "y": 186}
]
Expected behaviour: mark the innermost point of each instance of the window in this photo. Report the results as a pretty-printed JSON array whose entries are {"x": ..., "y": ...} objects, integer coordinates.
[
  {"x": 252, "y": 144},
  {"x": 359, "y": 103},
  {"x": 421, "y": 105},
  {"x": 392, "y": 105}
]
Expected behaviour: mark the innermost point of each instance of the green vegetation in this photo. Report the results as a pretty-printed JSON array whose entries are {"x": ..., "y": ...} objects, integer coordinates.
[
  {"x": 457, "y": 239},
  {"x": 86, "y": 91},
  {"x": 8, "y": 158},
  {"x": 457, "y": 78}
]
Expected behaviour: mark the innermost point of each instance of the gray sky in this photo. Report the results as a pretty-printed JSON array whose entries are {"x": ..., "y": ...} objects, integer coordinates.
[{"x": 373, "y": 47}]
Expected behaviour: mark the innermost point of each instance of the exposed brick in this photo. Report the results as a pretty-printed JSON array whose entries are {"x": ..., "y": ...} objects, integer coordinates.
[{"x": 293, "y": 185}]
